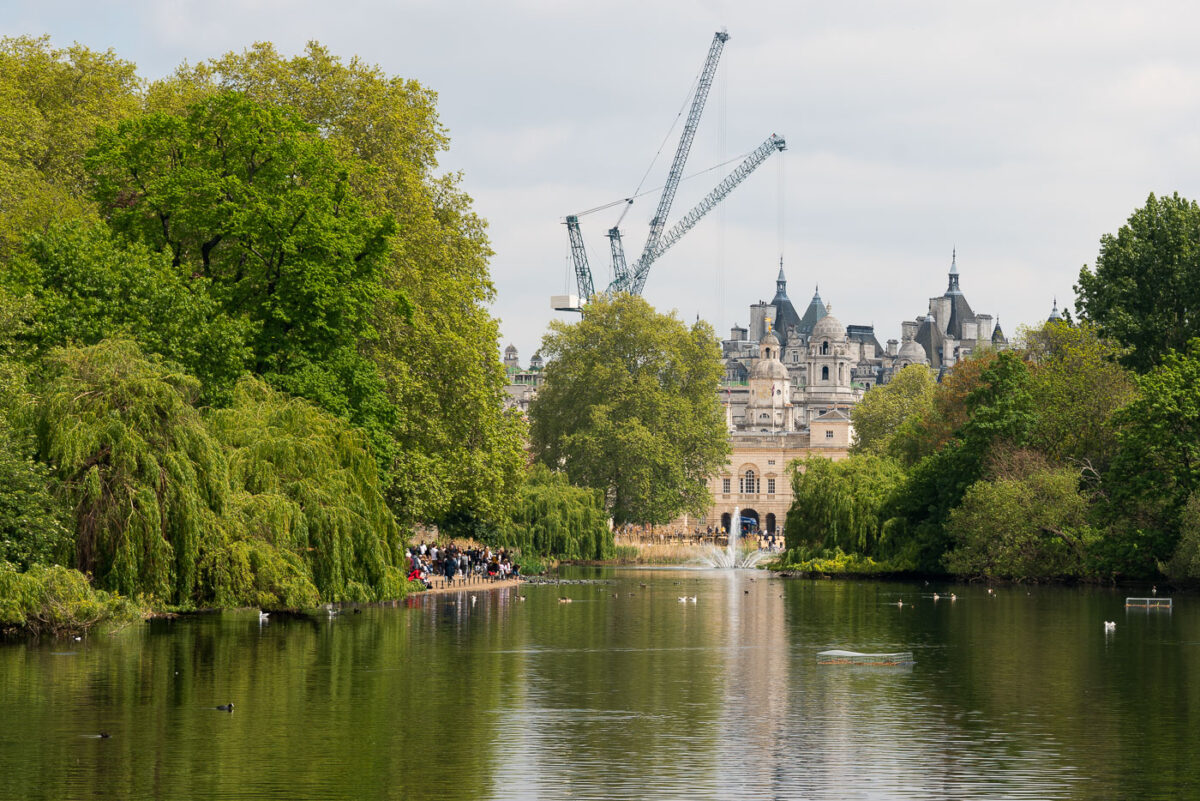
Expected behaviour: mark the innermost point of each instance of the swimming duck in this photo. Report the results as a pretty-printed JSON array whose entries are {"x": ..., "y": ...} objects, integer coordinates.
[
  {"x": 683, "y": 599},
  {"x": 262, "y": 616},
  {"x": 226, "y": 707},
  {"x": 564, "y": 600}
]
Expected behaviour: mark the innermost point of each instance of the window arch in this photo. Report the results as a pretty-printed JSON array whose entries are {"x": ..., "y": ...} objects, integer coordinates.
[
  {"x": 825, "y": 348},
  {"x": 825, "y": 373},
  {"x": 748, "y": 483}
]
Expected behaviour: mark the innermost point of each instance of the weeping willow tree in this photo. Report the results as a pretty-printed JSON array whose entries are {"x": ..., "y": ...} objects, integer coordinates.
[
  {"x": 840, "y": 504},
  {"x": 306, "y": 504},
  {"x": 146, "y": 481},
  {"x": 553, "y": 518},
  {"x": 271, "y": 502}
]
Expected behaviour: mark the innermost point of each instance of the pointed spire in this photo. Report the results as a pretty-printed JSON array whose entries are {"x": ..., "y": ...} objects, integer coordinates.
[
  {"x": 1054, "y": 317},
  {"x": 952, "y": 287},
  {"x": 780, "y": 284}
]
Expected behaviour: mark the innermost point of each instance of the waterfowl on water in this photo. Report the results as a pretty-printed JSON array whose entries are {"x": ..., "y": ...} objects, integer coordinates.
[
  {"x": 953, "y": 597},
  {"x": 564, "y": 600},
  {"x": 262, "y": 616},
  {"x": 683, "y": 599},
  {"x": 104, "y": 735},
  {"x": 1110, "y": 625},
  {"x": 936, "y": 597},
  {"x": 226, "y": 707}
]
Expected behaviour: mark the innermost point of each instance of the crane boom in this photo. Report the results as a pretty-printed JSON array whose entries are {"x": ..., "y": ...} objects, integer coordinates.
[
  {"x": 642, "y": 268},
  {"x": 620, "y": 268},
  {"x": 659, "y": 221},
  {"x": 583, "y": 273}
]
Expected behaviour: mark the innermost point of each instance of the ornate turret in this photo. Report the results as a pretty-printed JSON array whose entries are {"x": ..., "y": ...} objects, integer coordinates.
[
  {"x": 1054, "y": 317},
  {"x": 952, "y": 288},
  {"x": 997, "y": 334}
]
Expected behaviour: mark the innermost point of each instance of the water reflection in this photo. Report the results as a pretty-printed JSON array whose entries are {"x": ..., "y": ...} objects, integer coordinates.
[{"x": 623, "y": 693}]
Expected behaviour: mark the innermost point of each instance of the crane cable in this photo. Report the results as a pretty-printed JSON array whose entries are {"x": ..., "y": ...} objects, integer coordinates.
[{"x": 632, "y": 198}]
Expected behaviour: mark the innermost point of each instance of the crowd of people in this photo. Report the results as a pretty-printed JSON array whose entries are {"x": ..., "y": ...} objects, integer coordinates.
[{"x": 454, "y": 563}]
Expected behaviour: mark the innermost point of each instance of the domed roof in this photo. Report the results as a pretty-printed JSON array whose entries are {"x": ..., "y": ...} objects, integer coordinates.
[
  {"x": 770, "y": 338},
  {"x": 829, "y": 327},
  {"x": 913, "y": 352},
  {"x": 511, "y": 350},
  {"x": 769, "y": 368}
]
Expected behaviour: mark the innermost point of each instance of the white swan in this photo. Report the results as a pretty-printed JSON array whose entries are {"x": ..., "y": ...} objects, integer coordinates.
[{"x": 1110, "y": 625}]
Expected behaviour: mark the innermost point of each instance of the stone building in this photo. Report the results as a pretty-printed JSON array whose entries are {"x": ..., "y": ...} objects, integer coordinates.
[
  {"x": 791, "y": 380},
  {"x": 522, "y": 385}
]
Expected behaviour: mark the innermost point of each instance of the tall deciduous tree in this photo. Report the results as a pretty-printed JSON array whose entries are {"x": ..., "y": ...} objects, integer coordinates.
[
  {"x": 250, "y": 200},
  {"x": 458, "y": 456},
  {"x": 629, "y": 407},
  {"x": 883, "y": 410},
  {"x": 52, "y": 100},
  {"x": 1077, "y": 384},
  {"x": 1145, "y": 291}
]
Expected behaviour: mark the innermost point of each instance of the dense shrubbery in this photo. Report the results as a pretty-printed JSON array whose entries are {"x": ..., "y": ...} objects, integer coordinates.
[{"x": 58, "y": 600}]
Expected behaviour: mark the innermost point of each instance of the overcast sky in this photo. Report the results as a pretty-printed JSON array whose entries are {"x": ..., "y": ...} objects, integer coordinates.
[{"x": 1017, "y": 132}]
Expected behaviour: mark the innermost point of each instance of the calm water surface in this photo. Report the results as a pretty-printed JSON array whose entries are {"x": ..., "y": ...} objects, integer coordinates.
[{"x": 625, "y": 693}]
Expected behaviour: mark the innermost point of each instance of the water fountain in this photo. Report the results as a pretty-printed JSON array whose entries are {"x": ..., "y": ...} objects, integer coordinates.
[{"x": 731, "y": 556}]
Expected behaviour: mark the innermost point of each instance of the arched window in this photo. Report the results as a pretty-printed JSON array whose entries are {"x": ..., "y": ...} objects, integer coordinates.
[
  {"x": 824, "y": 373},
  {"x": 841, "y": 374},
  {"x": 795, "y": 356},
  {"x": 768, "y": 353},
  {"x": 825, "y": 348},
  {"x": 749, "y": 484}
]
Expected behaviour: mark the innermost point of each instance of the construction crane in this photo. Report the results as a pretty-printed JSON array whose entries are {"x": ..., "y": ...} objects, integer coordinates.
[{"x": 633, "y": 279}]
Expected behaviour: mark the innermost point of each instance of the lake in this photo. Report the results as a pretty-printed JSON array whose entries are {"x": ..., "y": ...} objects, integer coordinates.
[{"x": 624, "y": 693}]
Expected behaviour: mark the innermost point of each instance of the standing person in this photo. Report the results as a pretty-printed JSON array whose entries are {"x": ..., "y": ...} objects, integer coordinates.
[{"x": 451, "y": 567}]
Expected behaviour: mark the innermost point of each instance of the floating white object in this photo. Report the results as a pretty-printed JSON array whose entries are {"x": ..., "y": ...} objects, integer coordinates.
[
  {"x": 1110, "y": 625},
  {"x": 855, "y": 658}
]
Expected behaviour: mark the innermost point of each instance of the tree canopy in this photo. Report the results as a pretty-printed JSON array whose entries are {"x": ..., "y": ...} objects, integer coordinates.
[
  {"x": 1145, "y": 290},
  {"x": 629, "y": 407}
]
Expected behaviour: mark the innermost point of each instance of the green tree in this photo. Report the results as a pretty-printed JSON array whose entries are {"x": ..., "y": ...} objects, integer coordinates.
[
  {"x": 629, "y": 407},
  {"x": 1157, "y": 465},
  {"x": 1028, "y": 528},
  {"x": 553, "y": 518},
  {"x": 144, "y": 479},
  {"x": 883, "y": 410},
  {"x": 52, "y": 100},
  {"x": 306, "y": 516},
  {"x": 1076, "y": 385},
  {"x": 458, "y": 458},
  {"x": 840, "y": 504},
  {"x": 87, "y": 287},
  {"x": 251, "y": 200},
  {"x": 1145, "y": 291}
]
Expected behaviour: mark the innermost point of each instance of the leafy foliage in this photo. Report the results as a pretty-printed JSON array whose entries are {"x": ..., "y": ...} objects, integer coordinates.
[
  {"x": 455, "y": 456},
  {"x": 1025, "y": 528},
  {"x": 840, "y": 504},
  {"x": 270, "y": 502},
  {"x": 51, "y": 103},
  {"x": 553, "y": 518},
  {"x": 87, "y": 288},
  {"x": 251, "y": 200},
  {"x": 58, "y": 600},
  {"x": 629, "y": 407},
  {"x": 1076, "y": 385},
  {"x": 1145, "y": 291},
  {"x": 883, "y": 410},
  {"x": 305, "y": 502}
]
